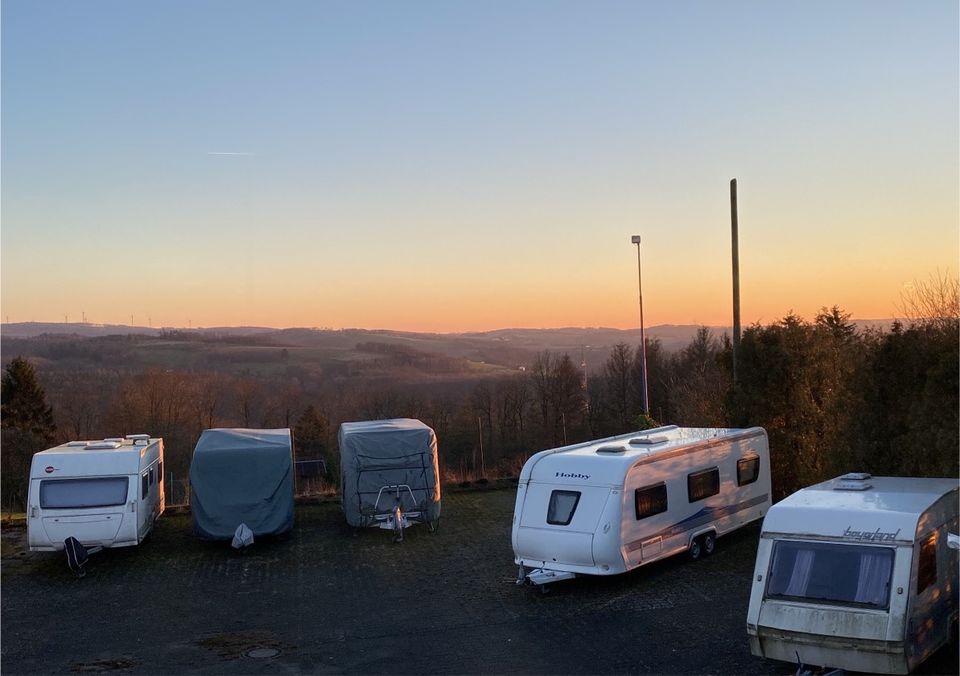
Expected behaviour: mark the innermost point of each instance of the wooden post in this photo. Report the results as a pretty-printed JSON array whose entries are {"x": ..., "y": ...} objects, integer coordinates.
[{"x": 735, "y": 245}]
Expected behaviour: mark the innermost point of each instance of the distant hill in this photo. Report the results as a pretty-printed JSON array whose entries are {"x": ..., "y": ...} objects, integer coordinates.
[{"x": 346, "y": 351}]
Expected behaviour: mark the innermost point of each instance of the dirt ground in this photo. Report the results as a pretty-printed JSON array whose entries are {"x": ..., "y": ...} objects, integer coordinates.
[{"x": 328, "y": 599}]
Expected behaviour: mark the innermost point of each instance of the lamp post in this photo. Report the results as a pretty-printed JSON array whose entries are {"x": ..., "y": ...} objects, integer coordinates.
[{"x": 643, "y": 343}]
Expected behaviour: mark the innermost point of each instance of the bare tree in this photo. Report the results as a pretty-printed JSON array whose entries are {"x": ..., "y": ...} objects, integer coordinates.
[{"x": 935, "y": 302}]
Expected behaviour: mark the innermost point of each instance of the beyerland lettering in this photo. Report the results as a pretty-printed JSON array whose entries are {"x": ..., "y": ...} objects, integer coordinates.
[{"x": 875, "y": 536}]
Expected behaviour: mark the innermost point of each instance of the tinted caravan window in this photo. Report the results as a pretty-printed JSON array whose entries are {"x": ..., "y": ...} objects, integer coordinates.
[
  {"x": 562, "y": 506},
  {"x": 145, "y": 486},
  {"x": 927, "y": 565},
  {"x": 703, "y": 484},
  {"x": 748, "y": 470},
  {"x": 820, "y": 572},
  {"x": 81, "y": 493},
  {"x": 651, "y": 500}
]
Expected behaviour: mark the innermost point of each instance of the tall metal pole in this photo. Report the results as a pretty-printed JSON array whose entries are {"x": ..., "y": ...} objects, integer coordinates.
[
  {"x": 643, "y": 343},
  {"x": 735, "y": 244}
]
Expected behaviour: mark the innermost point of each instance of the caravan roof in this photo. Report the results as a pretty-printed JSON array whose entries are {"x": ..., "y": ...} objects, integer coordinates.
[
  {"x": 833, "y": 509},
  {"x": 88, "y": 458},
  {"x": 608, "y": 460}
]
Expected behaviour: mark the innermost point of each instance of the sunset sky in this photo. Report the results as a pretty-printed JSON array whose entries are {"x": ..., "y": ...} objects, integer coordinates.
[{"x": 451, "y": 166}]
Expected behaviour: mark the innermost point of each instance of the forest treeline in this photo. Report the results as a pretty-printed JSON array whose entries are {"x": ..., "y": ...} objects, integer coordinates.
[{"x": 832, "y": 399}]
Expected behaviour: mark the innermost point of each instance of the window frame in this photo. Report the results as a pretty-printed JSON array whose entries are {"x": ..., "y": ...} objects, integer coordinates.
[
  {"x": 694, "y": 476},
  {"x": 753, "y": 458},
  {"x": 771, "y": 573},
  {"x": 117, "y": 480},
  {"x": 551, "y": 506},
  {"x": 645, "y": 489},
  {"x": 144, "y": 485}
]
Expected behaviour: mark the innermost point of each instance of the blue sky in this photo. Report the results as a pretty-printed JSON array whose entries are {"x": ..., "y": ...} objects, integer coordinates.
[{"x": 478, "y": 164}]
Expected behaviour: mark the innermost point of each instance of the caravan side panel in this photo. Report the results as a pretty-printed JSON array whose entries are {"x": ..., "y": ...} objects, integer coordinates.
[{"x": 743, "y": 497}]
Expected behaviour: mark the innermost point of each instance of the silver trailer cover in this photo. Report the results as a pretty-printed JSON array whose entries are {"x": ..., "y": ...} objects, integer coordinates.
[
  {"x": 378, "y": 453},
  {"x": 242, "y": 476}
]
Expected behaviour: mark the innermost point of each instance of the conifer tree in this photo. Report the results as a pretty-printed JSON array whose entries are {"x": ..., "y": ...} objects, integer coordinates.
[{"x": 24, "y": 403}]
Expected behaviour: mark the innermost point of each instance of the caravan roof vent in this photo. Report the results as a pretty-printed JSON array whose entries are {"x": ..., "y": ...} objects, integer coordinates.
[
  {"x": 78, "y": 443},
  {"x": 854, "y": 481},
  {"x": 118, "y": 440},
  {"x": 138, "y": 437},
  {"x": 649, "y": 441},
  {"x": 105, "y": 444},
  {"x": 611, "y": 449}
]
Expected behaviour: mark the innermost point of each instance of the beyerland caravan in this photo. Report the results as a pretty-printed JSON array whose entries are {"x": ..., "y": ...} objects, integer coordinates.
[
  {"x": 102, "y": 493},
  {"x": 855, "y": 573},
  {"x": 606, "y": 507}
]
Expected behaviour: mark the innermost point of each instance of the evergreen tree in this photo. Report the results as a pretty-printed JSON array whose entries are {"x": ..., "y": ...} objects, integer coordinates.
[{"x": 24, "y": 403}]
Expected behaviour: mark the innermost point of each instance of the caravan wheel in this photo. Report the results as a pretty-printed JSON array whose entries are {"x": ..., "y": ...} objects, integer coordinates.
[
  {"x": 695, "y": 550},
  {"x": 709, "y": 544}
]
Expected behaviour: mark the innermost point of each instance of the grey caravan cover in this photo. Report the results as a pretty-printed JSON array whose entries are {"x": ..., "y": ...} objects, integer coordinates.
[
  {"x": 242, "y": 476},
  {"x": 380, "y": 453}
]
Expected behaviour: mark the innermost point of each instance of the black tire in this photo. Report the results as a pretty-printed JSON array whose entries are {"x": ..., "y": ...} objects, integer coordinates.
[
  {"x": 709, "y": 544},
  {"x": 695, "y": 549}
]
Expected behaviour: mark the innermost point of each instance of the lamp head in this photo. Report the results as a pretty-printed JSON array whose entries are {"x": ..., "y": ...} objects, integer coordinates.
[{"x": 635, "y": 239}]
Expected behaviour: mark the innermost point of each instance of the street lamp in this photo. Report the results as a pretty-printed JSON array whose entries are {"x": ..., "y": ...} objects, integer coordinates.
[{"x": 643, "y": 343}]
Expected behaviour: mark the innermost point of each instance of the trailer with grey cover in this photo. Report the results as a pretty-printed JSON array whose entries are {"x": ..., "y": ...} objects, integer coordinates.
[
  {"x": 390, "y": 475},
  {"x": 241, "y": 484}
]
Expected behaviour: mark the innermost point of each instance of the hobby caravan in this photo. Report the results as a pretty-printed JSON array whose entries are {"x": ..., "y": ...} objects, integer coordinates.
[
  {"x": 856, "y": 573},
  {"x": 606, "y": 507},
  {"x": 103, "y": 493}
]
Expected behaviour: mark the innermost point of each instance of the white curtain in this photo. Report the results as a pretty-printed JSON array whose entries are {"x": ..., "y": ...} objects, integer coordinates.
[
  {"x": 800, "y": 577},
  {"x": 874, "y": 577}
]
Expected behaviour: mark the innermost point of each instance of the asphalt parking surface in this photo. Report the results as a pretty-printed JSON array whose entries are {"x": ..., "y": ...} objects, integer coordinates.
[{"x": 329, "y": 599}]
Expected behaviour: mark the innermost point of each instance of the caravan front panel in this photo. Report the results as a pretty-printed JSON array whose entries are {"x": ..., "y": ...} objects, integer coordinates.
[
  {"x": 838, "y": 583},
  {"x": 557, "y": 527}
]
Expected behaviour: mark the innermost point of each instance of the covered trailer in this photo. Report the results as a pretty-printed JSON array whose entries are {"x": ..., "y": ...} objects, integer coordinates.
[
  {"x": 242, "y": 477},
  {"x": 855, "y": 573},
  {"x": 390, "y": 474}
]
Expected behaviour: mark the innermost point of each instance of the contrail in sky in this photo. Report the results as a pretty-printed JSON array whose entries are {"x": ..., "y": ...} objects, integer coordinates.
[{"x": 216, "y": 152}]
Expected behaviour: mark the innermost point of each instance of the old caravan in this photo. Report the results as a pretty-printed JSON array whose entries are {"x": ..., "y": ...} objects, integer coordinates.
[
  {"x": 606, "y": 507},
  {"x": 855, "y": 573},
  {"x": 102, "y": 493}
]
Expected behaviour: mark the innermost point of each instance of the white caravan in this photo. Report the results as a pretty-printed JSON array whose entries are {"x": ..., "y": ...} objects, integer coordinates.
[
  {"x": 102, "y": 493},
  {"x": 855, "y": 573},
  {"x": 606, "y": 507}
]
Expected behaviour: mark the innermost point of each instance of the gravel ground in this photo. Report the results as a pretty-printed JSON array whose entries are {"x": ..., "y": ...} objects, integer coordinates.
[{"x": 328, "y": 599}]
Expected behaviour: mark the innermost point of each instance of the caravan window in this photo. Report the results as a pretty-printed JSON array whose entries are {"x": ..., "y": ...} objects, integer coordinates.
[
  {"x": 821, "y": 572},
  {"x": 748, "y": 470},
  {"x": 160, "y": 472},
  {"x": 562, "y": 506},
  {"x": 145, "y": 486},
  {"x": 703, "y": 484},
  {"x": 650, "y": 500},
  {"x": 927, "y": 565},
  {"x": 80, "y": 493}
]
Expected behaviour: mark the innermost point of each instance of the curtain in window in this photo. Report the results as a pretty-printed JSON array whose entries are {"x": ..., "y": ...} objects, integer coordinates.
[
  {"x": 800, "y": 577},
  {"x": 874, "y": 577}
]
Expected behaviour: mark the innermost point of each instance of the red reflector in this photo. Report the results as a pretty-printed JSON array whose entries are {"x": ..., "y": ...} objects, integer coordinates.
[{"x": 48, "y": 469}]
